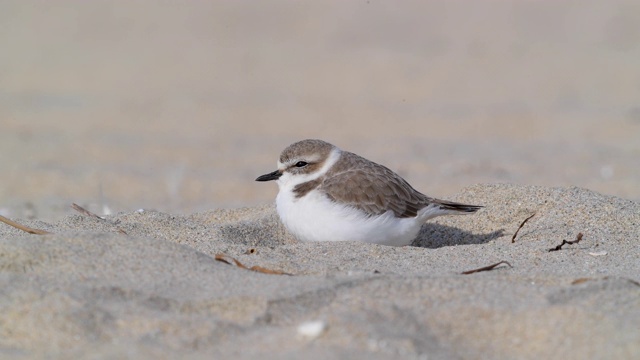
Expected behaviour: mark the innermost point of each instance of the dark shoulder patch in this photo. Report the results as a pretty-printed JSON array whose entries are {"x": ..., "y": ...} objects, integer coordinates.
[{"x": 303, "y": 189}]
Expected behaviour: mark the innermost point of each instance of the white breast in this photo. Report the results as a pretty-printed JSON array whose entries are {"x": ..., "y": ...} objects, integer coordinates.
[{"x": 314, "y": 217}]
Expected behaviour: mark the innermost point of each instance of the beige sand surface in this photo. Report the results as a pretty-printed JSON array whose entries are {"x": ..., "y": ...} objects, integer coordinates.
[
  {"x": 178, "y": 106},
  {"x": 90, "y": 292}
]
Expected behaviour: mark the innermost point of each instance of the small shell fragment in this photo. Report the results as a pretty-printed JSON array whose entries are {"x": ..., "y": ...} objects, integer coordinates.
[
  {"x": 599, "y": 253},
  {"x": 311, "y": 329}
]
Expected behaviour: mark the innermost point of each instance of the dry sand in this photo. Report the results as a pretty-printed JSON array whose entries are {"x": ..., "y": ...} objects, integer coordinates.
[
  {"x": 90, "y": 292},
  {"x": 120, "y": 105}
]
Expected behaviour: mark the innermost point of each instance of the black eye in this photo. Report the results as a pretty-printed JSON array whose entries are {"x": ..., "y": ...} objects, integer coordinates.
[{"x": 301, "y": 164}]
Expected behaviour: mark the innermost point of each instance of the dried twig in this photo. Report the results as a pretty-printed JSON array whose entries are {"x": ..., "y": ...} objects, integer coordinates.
[
  {"x": 513, "y": 239},
  {"x": 225, "y": 259},
  {"x": 85, "y": 212},
  {"x": 577, "y": 240},
  {"x": 260, "y": 269},
  {"x": 582, "y": 280},
  {"x": 486, "y": 268},
  {"x": 23, "y": 227},
  {"x": 231, "y": 261},
  {"x": 633, "y": 281},
  {"x": 88, "y": 213}
]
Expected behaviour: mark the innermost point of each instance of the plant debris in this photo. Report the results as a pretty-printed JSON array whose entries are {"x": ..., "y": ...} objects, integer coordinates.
[
  {"x": 583, "y": 280},
  {"x": 513, "y": 238},
  {"x": 577, "y": 240},
  {"x": 231, "y": 261},
  {"x": 88, "y": 213},
  {"x": 23, "y": 227},
  {"x": 486, "y": 268},
  {"x": 580, "y": 280}
]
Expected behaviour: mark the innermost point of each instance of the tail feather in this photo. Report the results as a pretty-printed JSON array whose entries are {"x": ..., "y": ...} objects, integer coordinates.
[{"x": 457, "y": 207}]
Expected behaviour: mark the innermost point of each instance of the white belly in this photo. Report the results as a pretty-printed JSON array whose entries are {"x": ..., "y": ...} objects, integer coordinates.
[{"x": 316, "y": 218}]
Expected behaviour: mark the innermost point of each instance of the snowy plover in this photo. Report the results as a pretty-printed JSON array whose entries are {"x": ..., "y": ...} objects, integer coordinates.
[{"x": 327, "y": 194}]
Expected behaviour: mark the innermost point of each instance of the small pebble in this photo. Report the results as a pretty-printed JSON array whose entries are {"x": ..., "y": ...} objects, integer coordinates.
[{"x": 312, "y": 329}]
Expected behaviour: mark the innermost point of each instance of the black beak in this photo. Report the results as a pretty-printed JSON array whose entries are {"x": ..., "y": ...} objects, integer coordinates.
[{"x": 270, "y": 176}]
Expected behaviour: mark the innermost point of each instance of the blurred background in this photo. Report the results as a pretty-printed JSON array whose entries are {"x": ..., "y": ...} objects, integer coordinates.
[{"x": 179, "y": 105}]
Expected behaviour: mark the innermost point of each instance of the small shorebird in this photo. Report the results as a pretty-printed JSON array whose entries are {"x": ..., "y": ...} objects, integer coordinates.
[{"x": 327, "y": 194}]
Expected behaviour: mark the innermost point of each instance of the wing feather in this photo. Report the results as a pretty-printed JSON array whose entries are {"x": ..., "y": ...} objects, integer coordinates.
[
  {"x": 375, "y": 189},
  {"x": 371, "y": 191}
]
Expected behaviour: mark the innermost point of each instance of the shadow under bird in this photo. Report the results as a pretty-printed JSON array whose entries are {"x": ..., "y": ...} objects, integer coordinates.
[{"x": 327, "y": 194}]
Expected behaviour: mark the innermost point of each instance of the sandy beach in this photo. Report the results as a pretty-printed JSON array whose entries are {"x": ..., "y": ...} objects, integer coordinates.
[
  {"x": 159, "y": 117},
  {"x": 91, "y": 292}
]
